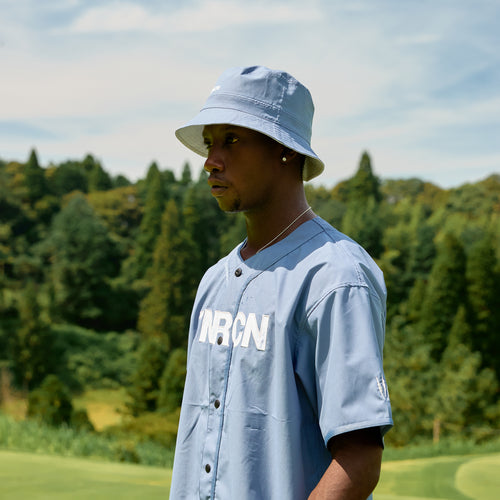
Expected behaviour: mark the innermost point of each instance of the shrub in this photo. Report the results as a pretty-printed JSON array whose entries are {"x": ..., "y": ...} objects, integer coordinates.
[
  {"x": 80, "y": 420},
  {"x": 51, "y": 402},
  {"x": 172, "y": 381}
]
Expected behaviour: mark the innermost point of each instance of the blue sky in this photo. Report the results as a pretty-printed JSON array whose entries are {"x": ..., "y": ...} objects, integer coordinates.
[{"x": 416, "y": 84}]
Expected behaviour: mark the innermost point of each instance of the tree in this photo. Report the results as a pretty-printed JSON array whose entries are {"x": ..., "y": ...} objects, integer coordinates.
[
  {"x": 67, "y": 177},
  {"x": 31, "y": 352},
  {"x": 165, "y": 311},
  {"x": 202, "y": 221},
  {"x": 84, "y": 258},
  {"x": 363, "y": 223},
  {"x": 186, "y": 177},
  {"x": 445, "y": 293},
  {"x": 364, "y": 184},
  {"x": 34, "y": 178},
  {"x": 483, "y": 291},
  {"x": 151, "y": 222},
  {"x": 172, "y": 381},
  {"x": 145, "y": 382},
  {"x": 463, "y": 401},
  {"x": 410, "y": 373},
  {"x": 51, "y": 402},
  {"x": 98, "y": 179}
]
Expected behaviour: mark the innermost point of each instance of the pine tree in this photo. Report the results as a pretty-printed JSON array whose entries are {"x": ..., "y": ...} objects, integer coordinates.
[
  {"x": 202, "y": 220},
  {"x": 364, "y": 184},
  {"x": 31, "y": 344},
  {"x": 35, "y": 178},
  {"x": 410, "y": 373},
  {"x": 463, "y": 401},
  {"x": 172, "y": 381},
  {"x": 363, "y": 223},
  {"x": 84, "y": 258},
  {"x": 186, "y": 177},
  {"x": 145, "y": 381},
  {"x": 445, "y": 293},
  {"x": 151, "y": 222},
  {"x": 483, "y": 291},
  {"x": 98, "y": 179},
  {"x": 165, "y": 311}
]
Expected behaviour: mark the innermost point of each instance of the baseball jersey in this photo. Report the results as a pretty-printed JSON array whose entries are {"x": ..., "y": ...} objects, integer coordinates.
[{"x": 285, "y": 352}]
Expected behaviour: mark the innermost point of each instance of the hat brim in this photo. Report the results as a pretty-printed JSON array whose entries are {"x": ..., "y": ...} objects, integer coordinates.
[{"x": 191, "y": 135}]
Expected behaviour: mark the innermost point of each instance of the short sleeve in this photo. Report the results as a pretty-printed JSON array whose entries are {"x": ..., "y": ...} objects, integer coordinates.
[{"x": 346, "y": 330}]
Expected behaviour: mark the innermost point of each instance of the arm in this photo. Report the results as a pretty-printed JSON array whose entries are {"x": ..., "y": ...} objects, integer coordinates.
[{"x": 355, "y": 467}]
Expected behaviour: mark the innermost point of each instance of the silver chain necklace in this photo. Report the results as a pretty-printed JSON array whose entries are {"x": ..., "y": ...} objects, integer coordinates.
[{"x": 284, "y": 230}]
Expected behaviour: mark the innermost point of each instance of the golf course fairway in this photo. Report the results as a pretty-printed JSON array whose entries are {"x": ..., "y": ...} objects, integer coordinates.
[
  {"x": 30, "y": 476},
  {"x": 466, "y": 477}
]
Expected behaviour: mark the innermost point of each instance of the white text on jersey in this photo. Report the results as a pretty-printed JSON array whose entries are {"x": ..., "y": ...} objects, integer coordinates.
[{"x": 215, "y": 324}]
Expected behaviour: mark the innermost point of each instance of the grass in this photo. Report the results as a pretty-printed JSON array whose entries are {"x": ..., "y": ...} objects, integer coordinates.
[
  {"x": 28, "y": 475},
  {"x": 448, "y": 477}
]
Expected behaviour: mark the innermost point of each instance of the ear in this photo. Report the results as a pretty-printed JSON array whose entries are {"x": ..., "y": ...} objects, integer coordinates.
[{"x": 287, "y": 155}]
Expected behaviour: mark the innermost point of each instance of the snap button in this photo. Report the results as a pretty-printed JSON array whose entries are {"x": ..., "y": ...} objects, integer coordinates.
[
  {"x": 217, "y": 403},
  {"x": 208, "y": 468},
  {"x": 219, "y": 340},
  {"x": 238, "y": 272}
]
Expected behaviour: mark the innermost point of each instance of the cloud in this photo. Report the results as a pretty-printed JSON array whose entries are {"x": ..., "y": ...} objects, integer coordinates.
[{"x": 206, "y": 16}]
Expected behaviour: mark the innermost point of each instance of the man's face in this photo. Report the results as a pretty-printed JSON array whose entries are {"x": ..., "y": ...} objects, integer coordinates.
[{"x": 243, "y": 165}]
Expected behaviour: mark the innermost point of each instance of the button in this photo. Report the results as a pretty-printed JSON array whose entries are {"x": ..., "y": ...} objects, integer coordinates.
[
  {"x": 217, "y": 403},
  {"x": 238, "y": 272},
  {"x": 208, "y": 468},
  {"x": 219, "y": 340}
]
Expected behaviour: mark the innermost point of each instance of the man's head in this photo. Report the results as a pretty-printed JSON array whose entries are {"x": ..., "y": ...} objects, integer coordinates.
[{"x": 267, "y": 101}]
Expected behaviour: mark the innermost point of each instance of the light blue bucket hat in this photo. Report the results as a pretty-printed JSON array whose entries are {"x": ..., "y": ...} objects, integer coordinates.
[{"x": 268, "y": 101}]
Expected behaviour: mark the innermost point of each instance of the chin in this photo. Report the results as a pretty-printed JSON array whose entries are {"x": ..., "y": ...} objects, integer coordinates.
[{"x": 232, "y": 208}]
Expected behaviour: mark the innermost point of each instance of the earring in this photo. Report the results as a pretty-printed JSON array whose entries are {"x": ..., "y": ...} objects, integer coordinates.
[{"x": 283, "y": 159}]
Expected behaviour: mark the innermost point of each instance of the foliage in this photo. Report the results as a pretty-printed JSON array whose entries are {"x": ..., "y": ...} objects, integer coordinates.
[
  {"x": 164, "y": 312},
  {"x": 31, "y": 348},
  {"x": 172, "y": 381},
  {"x": 83, "y": 258},
  {"x": 96, "y": 257},
  {"x": 51, "y": 402},
  {"x": 94, "y": 360},
  {"x": 145, "y": 381},
  {"x": 31, "y": 435}
]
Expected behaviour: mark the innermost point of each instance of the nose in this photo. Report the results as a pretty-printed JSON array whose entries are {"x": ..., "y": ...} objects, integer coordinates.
[{"x": 214, "y": 161}]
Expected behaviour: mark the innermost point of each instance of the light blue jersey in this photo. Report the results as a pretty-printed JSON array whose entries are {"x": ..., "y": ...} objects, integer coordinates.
[{"x": 285, "y": 352}]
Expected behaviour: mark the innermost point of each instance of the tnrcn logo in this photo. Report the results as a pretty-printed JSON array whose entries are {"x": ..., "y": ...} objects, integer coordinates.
[{"x": 240, "y": 329}]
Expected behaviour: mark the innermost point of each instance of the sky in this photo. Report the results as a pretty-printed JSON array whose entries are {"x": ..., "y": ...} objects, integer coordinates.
[{"x": 415, "y": 84}]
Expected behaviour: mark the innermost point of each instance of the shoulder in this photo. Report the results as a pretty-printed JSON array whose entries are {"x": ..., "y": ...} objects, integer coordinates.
[{"x": 335, "y": 260}]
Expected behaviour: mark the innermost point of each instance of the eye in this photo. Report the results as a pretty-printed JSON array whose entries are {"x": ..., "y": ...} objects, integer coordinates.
[
  {"x": 207, "y": 142},
  {"x": 231, "y": 139}
]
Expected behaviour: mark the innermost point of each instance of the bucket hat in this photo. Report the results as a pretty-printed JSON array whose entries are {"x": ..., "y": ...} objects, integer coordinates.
[{"x": 268, "y": 101}]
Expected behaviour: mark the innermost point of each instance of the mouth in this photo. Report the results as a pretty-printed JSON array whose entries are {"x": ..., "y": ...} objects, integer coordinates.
[{"x": 217, "y": 188}]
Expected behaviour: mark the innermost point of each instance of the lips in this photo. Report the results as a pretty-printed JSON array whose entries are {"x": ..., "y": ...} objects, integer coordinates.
[{"x": 217, "y": 187}]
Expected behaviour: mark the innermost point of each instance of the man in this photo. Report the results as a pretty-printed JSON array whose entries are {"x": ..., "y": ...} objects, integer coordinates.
[{"x": 285, "y": 396}]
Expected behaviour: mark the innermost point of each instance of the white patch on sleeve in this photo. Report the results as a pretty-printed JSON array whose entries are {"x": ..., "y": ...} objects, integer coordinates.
[{"x": 382, "y": 387}]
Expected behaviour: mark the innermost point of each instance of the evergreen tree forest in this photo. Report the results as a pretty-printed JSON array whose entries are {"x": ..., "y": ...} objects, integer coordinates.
[{"x": 98, "y": 276}]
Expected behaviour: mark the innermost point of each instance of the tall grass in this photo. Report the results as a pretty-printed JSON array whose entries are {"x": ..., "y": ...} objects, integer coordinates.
[
  {"x": 28, "y": 435},
  {"x": 448, "y": 446}
]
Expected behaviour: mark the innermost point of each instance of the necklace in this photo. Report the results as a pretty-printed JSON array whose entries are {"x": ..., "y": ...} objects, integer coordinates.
[{"x": 284, "y": 230}]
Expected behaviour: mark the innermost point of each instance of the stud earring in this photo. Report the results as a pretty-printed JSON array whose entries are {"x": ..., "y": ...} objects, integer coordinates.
[{"x": 283, "y": 159}]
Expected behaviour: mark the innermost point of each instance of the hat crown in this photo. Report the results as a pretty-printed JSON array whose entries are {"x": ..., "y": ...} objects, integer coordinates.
[{"x": 274, "y": 95}]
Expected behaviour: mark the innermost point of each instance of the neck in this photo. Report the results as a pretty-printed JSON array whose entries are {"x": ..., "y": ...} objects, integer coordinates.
[{"x": 266, "y": 229}]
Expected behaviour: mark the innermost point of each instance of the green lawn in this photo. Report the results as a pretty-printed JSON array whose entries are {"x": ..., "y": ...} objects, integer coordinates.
[
  {"x": 27, "y": 476},
  {"x": 452, "y": 477},
  {"x": 34, "y": 477}
]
